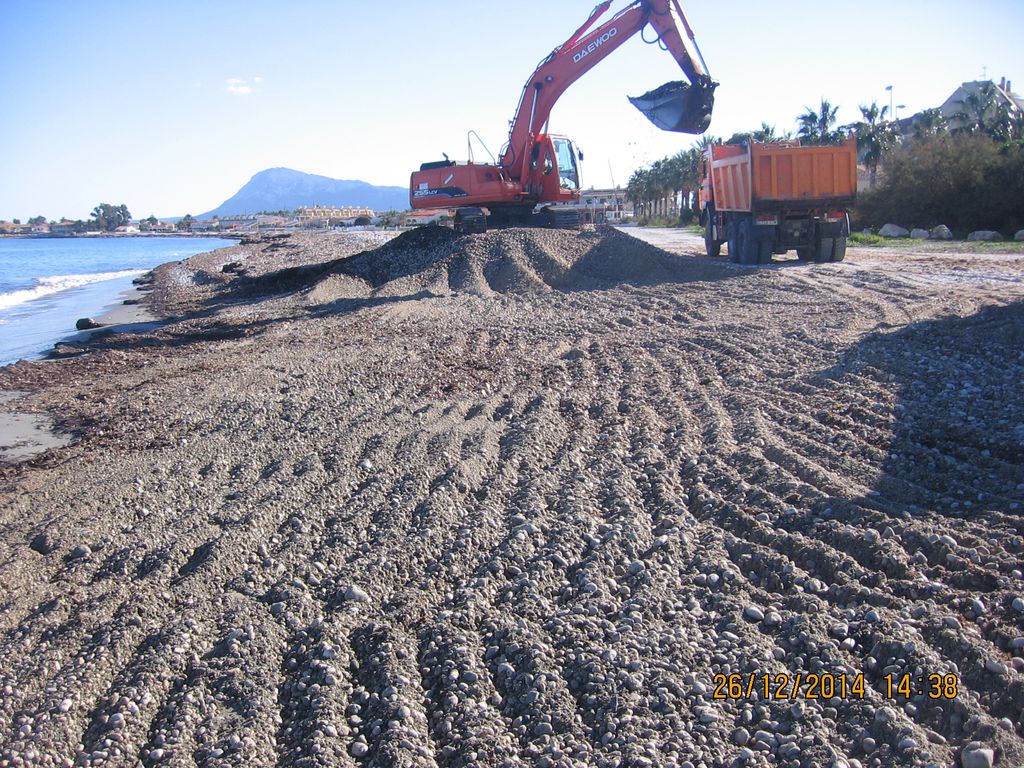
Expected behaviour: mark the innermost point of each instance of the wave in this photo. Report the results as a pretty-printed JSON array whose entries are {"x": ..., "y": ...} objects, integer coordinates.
[{"x": 44, "y": 286}]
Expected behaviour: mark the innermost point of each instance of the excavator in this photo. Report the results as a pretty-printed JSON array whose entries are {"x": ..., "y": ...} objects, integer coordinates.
[{"x": 536, "y": 168}]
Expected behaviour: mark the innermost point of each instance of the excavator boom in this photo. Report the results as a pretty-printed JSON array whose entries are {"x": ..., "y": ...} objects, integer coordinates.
[{"x": 675, "y": 106}]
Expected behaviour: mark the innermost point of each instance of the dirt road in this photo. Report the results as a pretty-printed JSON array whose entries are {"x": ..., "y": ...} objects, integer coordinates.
[{"x": 527, "y": 499}]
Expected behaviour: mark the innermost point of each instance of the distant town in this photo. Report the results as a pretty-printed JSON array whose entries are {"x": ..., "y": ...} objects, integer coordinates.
[{"x": 595, "y": 204}]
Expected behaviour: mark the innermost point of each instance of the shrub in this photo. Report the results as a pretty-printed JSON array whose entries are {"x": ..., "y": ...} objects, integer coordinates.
[{"x": 966, "y": 182}]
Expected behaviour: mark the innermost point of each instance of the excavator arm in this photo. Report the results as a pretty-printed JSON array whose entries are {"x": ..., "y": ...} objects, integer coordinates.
[{"x": 675, "y": 106}]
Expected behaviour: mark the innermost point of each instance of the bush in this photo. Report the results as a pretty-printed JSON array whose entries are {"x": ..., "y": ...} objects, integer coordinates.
[{"x": 966, "y": 182}]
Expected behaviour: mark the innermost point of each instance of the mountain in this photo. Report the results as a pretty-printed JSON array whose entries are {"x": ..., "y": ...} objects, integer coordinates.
[{"x": 282, "y": 189}]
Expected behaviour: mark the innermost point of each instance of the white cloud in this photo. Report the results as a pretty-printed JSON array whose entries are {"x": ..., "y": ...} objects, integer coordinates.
[{"x": 239, "y": 86}]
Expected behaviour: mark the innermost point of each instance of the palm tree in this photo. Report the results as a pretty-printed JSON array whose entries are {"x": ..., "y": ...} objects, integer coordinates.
[
  {"x": 930, "y": 122},
  {"x": 983, "y": 111},
  {"x": 876, "y": 137},
  {"x": 766, "y": 134},
  {"x": 816, "y": 127}
]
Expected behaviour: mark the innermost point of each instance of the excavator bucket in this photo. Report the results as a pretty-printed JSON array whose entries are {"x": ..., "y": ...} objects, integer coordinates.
[{"x": 678, "y": 106}]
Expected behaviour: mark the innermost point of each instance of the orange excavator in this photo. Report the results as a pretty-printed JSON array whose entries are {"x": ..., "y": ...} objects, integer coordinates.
[{"x": 537, "y": 168}]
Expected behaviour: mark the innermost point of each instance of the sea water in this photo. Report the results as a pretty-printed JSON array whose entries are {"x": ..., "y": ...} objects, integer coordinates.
[{"x": 47, "y": 284}]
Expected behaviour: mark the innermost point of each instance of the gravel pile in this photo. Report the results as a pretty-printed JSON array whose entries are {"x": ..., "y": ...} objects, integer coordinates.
[{"x": 527, "y": 498}]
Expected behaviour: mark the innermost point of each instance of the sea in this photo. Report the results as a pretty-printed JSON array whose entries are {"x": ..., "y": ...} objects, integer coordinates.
[{"x": 47, "y": 284}]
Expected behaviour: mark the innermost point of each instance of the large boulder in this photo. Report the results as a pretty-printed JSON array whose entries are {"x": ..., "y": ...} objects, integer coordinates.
[
  {"x": 919, "y": 234},
  {"x": 87, "y": 323},
  {"x": 985, "y": 236},
  {"x": 1019, "y": 237},
  {"x": 940, "y": 232},
  {"x": 893, "y": 230}
]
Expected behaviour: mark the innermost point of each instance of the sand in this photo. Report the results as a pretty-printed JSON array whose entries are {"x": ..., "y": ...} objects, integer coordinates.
[{"x": 520, "y": 499}]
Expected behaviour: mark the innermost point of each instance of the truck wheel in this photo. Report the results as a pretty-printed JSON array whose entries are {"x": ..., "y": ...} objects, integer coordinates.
[
  {"x": 712, "y": 246},
  {"x": 733, "y": 242},
  {"x": 840, "y": 251},
  {"x": 805, "y": 254},
  {"x": 825, "y": 248},
  {"x": 745, "y": 242},
  {"x": 764, "y": 252}
]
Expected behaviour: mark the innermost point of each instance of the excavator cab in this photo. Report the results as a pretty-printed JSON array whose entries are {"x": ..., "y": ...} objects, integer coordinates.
[{"x": 679, "y": 106}]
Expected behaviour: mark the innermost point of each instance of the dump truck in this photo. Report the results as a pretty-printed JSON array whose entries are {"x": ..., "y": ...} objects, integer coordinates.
[{"x": 769, "y": 198}]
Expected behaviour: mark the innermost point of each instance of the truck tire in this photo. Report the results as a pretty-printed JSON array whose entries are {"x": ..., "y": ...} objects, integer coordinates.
[
  {"x": 805, "y": 254},
  {"x": 764, "y": 251},
  {"x": 733, "y": 242},
  {"x": 826, "y": 246},
  {"x": 712, "y": 246},
  {"x": 746, "y": 245},
  {"x": 840, "y": 250}
]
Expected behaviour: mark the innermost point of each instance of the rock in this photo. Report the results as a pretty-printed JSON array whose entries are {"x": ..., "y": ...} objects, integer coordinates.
[
  {"x": 977, "y": 757},
  {"x": 919, "y": 234},
  {"x": 43, "y": 544},
  {"x": 1019, "y": 235},
  {"x": 87, "y": 323},
  {"x": 358, "y": 749},
  {"x": 940, "y": 232},
  {"x": 893, "y": 230},
  {"x": 741, "y": 736},
  {"x": 1017, "y": 604},
  {"x": 232, "y": 267},
  {"x": 366, "y": 465},
  {"x": 80, "y": 552},
  {"x": 356, "y": 595},
  {"x": 872, "y": 616},
  {"x": 985, "y": 236},
  {"x": 996, "y": 667},
  {"x": 753, "y": 613}
]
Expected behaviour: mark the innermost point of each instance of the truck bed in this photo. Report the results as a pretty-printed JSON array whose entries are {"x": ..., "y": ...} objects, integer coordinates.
[{"x": 784, "y": 175}]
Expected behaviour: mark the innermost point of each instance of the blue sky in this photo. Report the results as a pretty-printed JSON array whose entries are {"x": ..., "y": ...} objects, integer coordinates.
[{"x": 171, "y": 107}]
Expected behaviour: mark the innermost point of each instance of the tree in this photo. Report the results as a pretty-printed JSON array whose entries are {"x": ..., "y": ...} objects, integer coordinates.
[
  {"x": 876, "y": 137},
  {"x": 108, "y": 217},
  {"x": 37, "y": 220},
  {"x": 766, "y": 134},
  {"x": 929, "y": 122},
  {"x": 152, "y": 220},
  {"x": 817, "y": 127},
  {"x": 185, "y": 223},
  {"x": 15, "y": 221},
  {"x": 966, "y": 181}
]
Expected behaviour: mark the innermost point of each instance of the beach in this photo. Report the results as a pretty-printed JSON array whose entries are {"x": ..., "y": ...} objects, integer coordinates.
[{"x": 531, "y": 497}]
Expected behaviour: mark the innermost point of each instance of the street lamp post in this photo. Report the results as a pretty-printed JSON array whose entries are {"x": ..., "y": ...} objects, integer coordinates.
[{"x": 889, "y": 89}]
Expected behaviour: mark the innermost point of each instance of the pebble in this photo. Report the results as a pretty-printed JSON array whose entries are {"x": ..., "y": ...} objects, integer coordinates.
[
  {"x": 996, "y": 667},
  {"x": 977, "y": 607},
  {"x": 358, "y": 749},
  {"x": 872, "y": 616},
  {"x": 741, "y": 736},
  {"x": 366, "y": 465},
  {"x": 753, "y": 613},
  {"x": 80, "y": 552},
  {"x": 356, "y": 595},
  {"x": 1017, "y": 604},
  {"x": 977, "y": 757},
  {"x": 907, "y": 743}
]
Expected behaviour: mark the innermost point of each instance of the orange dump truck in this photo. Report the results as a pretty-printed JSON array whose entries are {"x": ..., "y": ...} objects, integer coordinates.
[{"x": 763, "y": 199}]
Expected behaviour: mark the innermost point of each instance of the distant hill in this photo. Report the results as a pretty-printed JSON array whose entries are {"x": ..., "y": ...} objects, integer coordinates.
[{"x": 282, "y": 189}]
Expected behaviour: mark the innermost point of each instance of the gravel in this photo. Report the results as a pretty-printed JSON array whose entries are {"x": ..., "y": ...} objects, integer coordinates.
[{"x": 519, "y": 499}]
